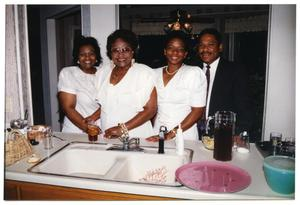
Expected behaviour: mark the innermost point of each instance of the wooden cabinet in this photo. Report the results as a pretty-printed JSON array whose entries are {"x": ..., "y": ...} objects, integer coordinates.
[{"x": 17, "y": 190}]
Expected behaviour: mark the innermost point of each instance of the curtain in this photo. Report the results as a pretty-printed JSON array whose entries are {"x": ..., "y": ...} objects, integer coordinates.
[
  {"x": 249, "y": 24},
  {"x": 157, "y": 28},
  {"x": 17, "y": 74},
  {"x": 232, "y": 25}
]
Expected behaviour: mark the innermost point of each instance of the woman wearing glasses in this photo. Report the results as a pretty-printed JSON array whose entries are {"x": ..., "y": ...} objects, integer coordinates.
[
  {"x": 181, "y": 91},
  {"x": 126, "y": 90}
]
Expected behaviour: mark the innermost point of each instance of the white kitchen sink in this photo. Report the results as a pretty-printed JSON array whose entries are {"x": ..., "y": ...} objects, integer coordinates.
[{"x": 93, "y": 161}]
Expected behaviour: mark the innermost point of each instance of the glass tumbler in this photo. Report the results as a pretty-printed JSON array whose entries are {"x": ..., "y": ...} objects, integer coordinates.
[
  {"x": 93, "y": 131},
  {"x": 47, "y": 140}
]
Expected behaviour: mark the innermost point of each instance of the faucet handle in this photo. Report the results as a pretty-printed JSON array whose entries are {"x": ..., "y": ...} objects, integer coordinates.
[
  {"x": 137, "y": 141},
  {"x": 163, "y": 129},
  {"x": 123, "y": 138}
]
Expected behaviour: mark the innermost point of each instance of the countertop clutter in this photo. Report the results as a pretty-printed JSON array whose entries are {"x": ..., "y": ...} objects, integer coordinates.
[{"x": 251, "y": 162}]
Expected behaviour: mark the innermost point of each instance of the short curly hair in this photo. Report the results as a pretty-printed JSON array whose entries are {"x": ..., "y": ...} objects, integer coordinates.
[
  {"x": 84, "y": 41},
  {"x": 179, "y": 35},
  {"x": 211, "y": 31},
  {"x": 127, "y": 36}
]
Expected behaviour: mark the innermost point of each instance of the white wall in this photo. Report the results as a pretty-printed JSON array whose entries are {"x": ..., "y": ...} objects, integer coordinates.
[
  {"x": 281, "y": 70},
  {"x": 104, "y": 19}
]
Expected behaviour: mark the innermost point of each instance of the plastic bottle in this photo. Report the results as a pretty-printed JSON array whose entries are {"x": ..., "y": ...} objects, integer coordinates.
[{"x": 179, "y": 141}]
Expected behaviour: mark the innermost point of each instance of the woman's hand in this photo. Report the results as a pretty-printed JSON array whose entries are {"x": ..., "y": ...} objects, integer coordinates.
[
  {"x": 93, "y": 130},
  {"x": 113, "y": 132},
  {"x": 93, "y": 117},
  {"x": 153, "y": 138},
  {"x": 170, "y": 135}
]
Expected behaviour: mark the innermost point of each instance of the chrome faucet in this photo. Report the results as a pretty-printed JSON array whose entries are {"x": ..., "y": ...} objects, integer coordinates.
[{"x": 128, "y": 144}]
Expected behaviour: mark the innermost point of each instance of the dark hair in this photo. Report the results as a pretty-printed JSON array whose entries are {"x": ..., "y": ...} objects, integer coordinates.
[
  {"x": 212, "y": 31},
  {"x": 84, "y": 41},
  {"x": 127, "y": 36},
  {"x": 180, "y": 35}
]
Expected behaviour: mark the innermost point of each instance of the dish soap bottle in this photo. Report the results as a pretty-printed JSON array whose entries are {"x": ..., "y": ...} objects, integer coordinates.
[{"x": 179, "y": 141}]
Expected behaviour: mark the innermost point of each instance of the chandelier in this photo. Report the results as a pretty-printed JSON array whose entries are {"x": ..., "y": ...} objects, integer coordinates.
[{"x": 181, "y": 22}]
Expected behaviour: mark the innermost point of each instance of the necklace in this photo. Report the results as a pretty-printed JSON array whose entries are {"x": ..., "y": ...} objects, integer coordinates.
[{"x": 171, "y": 73}]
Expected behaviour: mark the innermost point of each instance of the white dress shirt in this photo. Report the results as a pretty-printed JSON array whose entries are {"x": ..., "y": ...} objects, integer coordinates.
[{"x": 213, "y": 70}]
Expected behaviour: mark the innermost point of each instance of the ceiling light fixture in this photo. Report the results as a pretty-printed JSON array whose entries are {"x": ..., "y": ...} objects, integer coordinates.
[{"x": 181, "y": 22}]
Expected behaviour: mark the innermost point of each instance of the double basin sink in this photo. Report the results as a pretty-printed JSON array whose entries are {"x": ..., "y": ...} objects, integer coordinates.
[{"x": 94, "y": 161}]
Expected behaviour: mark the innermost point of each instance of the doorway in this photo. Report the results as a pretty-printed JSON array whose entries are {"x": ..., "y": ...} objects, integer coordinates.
[
  {"x": 68, "y": 28},
  {"x": 52, "y": 30}
]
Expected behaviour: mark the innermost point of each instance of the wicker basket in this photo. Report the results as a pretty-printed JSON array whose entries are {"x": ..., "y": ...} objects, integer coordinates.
[{"x": 17, "y": 147}]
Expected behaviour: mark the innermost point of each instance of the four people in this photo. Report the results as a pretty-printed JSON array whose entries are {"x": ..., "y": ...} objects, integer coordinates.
[
  {"x": 130, "y": 94},
  {"x": 181, "y": 91},
  {"x": 76, "y": 87}
]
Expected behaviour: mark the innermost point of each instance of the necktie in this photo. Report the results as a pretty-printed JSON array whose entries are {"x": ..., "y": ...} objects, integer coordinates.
[
  {"x": 207, "y": 73},
  {"x": 202, "y": 122}
]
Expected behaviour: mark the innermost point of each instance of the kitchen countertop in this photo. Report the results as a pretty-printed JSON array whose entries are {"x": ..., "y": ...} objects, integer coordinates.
[{"x": 251, "y": 162}]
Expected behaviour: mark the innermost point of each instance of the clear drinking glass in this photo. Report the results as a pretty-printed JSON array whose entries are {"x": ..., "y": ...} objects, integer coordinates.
[
  {"x": 242, "y": 142},
  {"x": 275, "y": 138},
  {"x": 47, "y": 140}
]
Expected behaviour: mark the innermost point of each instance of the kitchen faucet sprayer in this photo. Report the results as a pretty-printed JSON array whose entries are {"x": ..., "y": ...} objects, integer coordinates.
[{"x": 161, "y": 142}]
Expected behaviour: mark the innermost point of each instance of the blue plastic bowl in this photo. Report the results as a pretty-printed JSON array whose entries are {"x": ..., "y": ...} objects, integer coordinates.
[{"x": 280, "y": 173}]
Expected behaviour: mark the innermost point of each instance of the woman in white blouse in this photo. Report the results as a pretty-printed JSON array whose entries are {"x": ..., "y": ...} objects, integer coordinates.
[
  {"x": 76, "y": 86},
  {"x": 181, "y": 91},
  {"x": 126, "y": 90}
]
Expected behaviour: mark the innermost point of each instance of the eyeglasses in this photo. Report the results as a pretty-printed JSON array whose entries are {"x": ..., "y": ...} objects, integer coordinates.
[{"x": 125, "y": 50}]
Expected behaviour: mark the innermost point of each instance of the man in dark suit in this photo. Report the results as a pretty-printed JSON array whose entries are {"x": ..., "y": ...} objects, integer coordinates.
[{"x": 227, "y": 81}]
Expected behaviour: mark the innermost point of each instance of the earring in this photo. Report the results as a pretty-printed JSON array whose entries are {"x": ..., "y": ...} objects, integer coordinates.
[
  {"x": 112, "y": 64},
  {"x": 96, "y": 61},
  {"x": 132, "y": 61},
  {"x": 78, "y": 62}
]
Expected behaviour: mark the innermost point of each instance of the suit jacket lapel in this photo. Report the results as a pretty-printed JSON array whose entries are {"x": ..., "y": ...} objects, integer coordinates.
[{"x": 218, "y": 82}]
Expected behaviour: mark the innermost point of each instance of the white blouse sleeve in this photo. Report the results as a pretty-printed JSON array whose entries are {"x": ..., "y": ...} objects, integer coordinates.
[
  {"x": 197, "y": 86},
  {"x": 146, "y": 86},
  {"x": 65, "y": 82},
  {"x": 101, "y": 82}
]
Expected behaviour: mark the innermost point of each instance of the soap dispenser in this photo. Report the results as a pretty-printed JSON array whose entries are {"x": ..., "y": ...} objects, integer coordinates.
[{"x": 179, "y": 141}]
